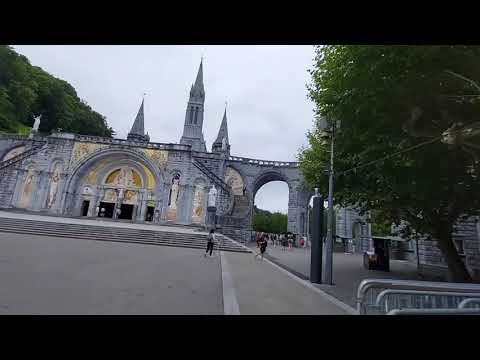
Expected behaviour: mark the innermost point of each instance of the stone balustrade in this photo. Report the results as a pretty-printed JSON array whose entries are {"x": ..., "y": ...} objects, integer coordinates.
[{"x": 264, "y": 162}]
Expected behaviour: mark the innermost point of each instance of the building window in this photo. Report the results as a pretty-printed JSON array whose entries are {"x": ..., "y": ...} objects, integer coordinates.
[
  {"x": 191, "y": 114},
  {"x": 478, "y": 231},
  {"x": 196, "y": 115},
  {"x": 459, "y": 246}
]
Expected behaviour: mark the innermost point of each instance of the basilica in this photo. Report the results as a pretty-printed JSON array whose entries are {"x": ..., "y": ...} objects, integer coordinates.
[{"x": 137, "y": 180}]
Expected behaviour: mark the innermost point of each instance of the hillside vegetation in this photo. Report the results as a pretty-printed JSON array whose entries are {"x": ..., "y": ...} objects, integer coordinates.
[{"x": 27, "y": 91}]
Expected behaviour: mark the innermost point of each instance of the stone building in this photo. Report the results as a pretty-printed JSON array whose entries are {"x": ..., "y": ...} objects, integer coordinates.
[{"x": 141, "y": 181}]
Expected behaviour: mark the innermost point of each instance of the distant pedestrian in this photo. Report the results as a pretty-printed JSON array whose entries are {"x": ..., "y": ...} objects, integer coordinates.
[
  {"x": 290, "y": 242},
  {"x": 210, "y": 242},
  {"x": 284, "y": 242},
  {"x": 263, "y": 247}
]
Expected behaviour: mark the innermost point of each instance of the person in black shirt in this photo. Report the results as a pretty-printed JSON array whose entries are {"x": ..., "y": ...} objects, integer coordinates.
[
  {"x": 263, "y": 247},
  {"x": 210, "y": 242}
]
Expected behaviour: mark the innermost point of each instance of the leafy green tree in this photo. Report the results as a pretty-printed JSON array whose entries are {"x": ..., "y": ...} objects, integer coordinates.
[
  {"x": 381, "y": 223},
  {"x": 265, "y": 221},
  {"x": 390, "y": 99},
  {"x": 26, "y": 91}
]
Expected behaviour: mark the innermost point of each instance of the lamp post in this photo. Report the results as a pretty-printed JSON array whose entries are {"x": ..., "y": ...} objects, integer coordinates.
[{"x": 329, "y": 244}]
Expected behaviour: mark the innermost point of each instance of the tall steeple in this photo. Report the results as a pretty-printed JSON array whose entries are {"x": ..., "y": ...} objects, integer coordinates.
[
  {"x": 222, "y": 143},
  {"x": 137, "y": 133},
  {"x": 192, "y": 128}
]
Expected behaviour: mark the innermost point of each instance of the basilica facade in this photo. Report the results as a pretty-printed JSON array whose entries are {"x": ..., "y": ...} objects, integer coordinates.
[{"x": 137, "y": 180}]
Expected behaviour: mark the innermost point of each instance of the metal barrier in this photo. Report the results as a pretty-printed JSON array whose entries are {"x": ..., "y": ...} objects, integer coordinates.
[
  {"x": 414, "y": 299},
  {"x": 434, "y": 312},
  {"x": 466, "y": 302},
  {"x": 370, "y": 289}
]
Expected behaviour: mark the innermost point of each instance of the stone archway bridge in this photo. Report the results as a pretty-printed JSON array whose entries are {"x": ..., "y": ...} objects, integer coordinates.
[{"x": 255, "y": 173}]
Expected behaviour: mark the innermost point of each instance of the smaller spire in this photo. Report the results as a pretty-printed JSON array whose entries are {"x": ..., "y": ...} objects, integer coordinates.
[
  {"x": 138, "y": 131},
  {"x": 222, "y": 133}
]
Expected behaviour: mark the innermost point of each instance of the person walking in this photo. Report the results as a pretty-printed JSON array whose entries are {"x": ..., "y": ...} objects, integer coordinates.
[
  {"x": 290, "y": 242},
  {"x": 210, "y": 242},
  {"x": 284, "y": 242},
  {"x": 263, "y": 247}
]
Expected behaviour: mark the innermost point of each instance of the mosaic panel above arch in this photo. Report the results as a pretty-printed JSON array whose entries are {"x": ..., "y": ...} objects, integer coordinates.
[
  {"x": 159, "y": 157},
  {"x": 125, "y": 176},
  {"x": 82, "y": 149}
]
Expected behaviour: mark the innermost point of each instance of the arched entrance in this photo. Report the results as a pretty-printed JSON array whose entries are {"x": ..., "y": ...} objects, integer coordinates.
[
  {"x": 115, "y": 184},
  {"x": 271, "y": 207}
]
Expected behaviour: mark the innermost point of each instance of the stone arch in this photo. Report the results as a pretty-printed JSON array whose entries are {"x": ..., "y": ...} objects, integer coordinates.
[
  {"x": 266, "y": 177},
  {"x": 235, "y": 179},
  {"x": 12, "y": 152},
  {"x": 91, "y": 170}
]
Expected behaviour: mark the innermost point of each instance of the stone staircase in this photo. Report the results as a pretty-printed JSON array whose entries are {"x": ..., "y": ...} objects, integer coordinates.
[
  {"x": 115, "y": 234},
  {"x": 241, "y": 206},
  {"x": 37, "y": 147}
]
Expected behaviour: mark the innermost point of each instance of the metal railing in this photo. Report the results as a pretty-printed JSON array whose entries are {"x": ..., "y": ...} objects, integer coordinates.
[
  {"x": 434, "y": 312},
  {"x": 471, "y": 301},
  {"x": 426, "y": 294},
  {"x": 414, "y": 299},
  {"x": 212, "y": 176}
]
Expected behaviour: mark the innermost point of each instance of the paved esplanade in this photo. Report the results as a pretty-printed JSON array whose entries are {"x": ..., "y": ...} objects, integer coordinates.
[
  {"x": 348, "y": 270},
  {"x": 50, "y": 275}
]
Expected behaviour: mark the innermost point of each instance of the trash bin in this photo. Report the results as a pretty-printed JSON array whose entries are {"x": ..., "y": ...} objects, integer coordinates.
[{"x": 379, "y": 259}]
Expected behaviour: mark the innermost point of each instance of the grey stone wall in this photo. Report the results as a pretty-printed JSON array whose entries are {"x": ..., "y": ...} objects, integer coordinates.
[{"x": 353, "y": 228}]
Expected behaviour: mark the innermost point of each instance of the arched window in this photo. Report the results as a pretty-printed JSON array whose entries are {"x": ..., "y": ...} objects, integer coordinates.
[
  {"x": 191, "y": 114},
  {"x": 196, "y": 115}
]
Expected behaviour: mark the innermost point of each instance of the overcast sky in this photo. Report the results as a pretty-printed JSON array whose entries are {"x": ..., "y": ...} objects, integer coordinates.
[{"x": 265, "y": 87}]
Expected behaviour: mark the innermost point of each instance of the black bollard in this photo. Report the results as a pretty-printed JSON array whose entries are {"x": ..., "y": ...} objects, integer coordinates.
[{"x": 316, "y": 241}]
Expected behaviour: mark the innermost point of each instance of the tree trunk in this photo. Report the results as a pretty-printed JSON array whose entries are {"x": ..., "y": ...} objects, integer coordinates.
[{"x": 457, "y": 271}]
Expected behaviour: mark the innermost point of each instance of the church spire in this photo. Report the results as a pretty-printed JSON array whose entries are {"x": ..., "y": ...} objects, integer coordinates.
[
  {"x": 137, "y": 133},
  {"x": 193, "y": 125},
  {"x": 197, "y": 88},
  {"x": 222, "y": 143}
]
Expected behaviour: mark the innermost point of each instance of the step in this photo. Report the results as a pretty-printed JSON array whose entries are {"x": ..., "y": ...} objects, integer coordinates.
[
  {"x": 129, "y": 240},
  {"x": 102, "y": 233}
]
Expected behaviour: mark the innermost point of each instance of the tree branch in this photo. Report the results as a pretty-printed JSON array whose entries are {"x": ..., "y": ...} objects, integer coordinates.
[{"x": 471, "y": 82}]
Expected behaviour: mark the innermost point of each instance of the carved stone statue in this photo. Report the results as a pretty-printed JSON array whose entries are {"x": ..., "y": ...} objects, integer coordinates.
[
  {"x": 224, "y": 143},
  {"x": 212, "y": 196},
  {"x": 36, "y": 124}
]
